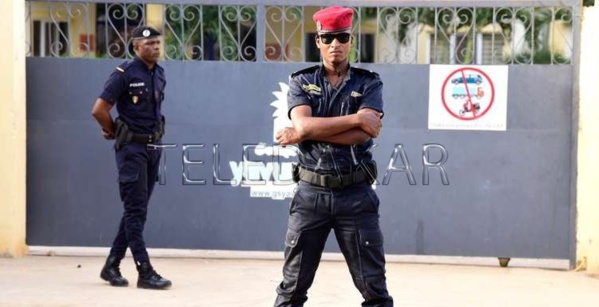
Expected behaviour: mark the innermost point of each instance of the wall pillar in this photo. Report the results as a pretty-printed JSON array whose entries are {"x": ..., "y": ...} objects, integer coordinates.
[
  {"x": 12, "y": 130},
  {"x": 587, "y": 247}
]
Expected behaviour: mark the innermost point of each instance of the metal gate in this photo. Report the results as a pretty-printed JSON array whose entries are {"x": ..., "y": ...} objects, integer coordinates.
[{"x": 225, "y": 185}]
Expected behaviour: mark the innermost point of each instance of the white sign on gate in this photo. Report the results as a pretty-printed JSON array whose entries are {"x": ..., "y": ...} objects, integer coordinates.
[{"x": 467, "y": 97}]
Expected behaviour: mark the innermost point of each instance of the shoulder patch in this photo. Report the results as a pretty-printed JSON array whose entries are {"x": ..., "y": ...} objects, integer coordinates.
[
  {"x": 123, "y": 66},
  {"x": 305, "y": 71},
  {"x": 364, "y": 71}
]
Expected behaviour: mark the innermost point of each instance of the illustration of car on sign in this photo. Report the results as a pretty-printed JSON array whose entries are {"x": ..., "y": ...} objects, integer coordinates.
[
  {"x": 459, "y": 91},
  {"x": 478, "y": 79}
]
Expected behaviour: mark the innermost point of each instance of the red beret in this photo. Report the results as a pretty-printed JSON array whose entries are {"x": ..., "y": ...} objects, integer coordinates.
[{"x": 333, "y": 19}]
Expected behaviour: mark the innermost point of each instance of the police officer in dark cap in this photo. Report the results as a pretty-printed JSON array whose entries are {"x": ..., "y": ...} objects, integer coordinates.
[
  {"x": 336, "y": 111},
  {"x": 136, "y": 87}
]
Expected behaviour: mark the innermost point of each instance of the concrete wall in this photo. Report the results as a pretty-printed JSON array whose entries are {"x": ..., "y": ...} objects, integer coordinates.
[
  {"x": 12, "y": 129},
  {"x": 588, "y": 145}
]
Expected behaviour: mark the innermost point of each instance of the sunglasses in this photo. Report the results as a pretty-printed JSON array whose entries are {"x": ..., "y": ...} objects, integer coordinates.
[{"x": 342, "y": 38}]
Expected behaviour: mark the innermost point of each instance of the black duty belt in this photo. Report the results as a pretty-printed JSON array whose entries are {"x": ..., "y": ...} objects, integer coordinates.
[
  {"x": 332, "y": 181},
  {"x": 124, "y": 136},
  {"x": 146, "y": 138}
]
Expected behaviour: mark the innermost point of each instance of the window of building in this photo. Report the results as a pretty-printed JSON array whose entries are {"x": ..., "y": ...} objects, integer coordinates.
[
  {"x": 311, "y": 50},
  {"x": 366, "y": 45},
  {"x": 492, "y": 49},
  {"x": 50, "y": 38}
]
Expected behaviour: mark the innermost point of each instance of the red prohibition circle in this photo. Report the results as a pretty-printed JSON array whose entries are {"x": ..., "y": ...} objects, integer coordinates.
[{"x": 474, "y": 116}]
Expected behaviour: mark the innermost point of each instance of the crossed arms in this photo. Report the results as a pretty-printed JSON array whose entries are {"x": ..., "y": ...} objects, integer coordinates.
[{"x": 343, "y": 130}]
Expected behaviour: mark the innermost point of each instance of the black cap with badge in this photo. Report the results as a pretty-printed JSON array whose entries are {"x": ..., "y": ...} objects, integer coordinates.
[{"x": 144, "y": 32}]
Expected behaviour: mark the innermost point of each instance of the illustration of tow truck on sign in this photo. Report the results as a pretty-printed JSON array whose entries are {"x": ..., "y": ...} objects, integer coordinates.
[
  {"x": 473, "y": 91},
  {"x": 469, "y": 89}
]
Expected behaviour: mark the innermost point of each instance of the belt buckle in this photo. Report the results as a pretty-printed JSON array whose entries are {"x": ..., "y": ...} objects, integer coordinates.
[{"x": 332, "y": 182}]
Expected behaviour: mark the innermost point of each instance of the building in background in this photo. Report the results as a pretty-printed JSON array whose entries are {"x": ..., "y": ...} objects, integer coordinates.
[{"x": 391, "y": 34}]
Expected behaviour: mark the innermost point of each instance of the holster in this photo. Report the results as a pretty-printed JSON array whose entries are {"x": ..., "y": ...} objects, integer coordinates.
[
  {"x": 122, "y": 134},
  {"x": 295, "y": 172},
  {"x": 371, "y": 171}
]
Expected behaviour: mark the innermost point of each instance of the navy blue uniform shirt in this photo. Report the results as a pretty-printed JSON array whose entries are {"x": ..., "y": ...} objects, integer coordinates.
[
  {"x": 359, "y": 89},
  {"x": 138, "y": 93}
]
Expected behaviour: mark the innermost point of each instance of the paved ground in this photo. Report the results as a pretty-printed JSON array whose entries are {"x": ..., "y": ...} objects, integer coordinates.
[{"x": 74, "y": 281}]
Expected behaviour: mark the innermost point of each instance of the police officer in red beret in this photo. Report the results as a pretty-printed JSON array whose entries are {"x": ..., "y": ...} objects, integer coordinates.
[
  {"x": 137, "y": 89},
  {"x": 336, "y": 111}
]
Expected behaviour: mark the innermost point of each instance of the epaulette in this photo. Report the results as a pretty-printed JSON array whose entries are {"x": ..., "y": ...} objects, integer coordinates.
[
  {"x": 123, "y": 66},
  {"x": 305, "y": 71},
  {"x": 365, "y": 71}
]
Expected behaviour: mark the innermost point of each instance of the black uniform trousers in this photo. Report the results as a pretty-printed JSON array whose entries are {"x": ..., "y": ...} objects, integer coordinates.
[
  {"x": 352, "y": 212},
  {"x": 138, "y": 170}
]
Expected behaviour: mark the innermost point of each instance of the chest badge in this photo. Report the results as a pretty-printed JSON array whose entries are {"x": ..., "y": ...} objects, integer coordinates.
[
  {"x": 135, "y": 99},
  {"x": 355, "y": 94}
]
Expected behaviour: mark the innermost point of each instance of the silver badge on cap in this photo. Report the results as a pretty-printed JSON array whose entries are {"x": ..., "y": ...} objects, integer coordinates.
[
  {"x": 318, "y": 26},
  {"x": 145, "y": 33}
]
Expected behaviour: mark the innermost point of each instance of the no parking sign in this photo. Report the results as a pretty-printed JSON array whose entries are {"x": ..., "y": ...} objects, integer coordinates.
[{"x": 468, "y": 97}]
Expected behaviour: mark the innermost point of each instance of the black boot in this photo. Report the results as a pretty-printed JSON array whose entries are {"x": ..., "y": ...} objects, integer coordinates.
[
  {"x": 149, "y": 279},
  {"x": 112, "y": 274}
]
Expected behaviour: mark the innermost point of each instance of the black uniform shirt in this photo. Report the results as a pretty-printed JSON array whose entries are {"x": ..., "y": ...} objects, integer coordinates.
[
  {"x": 138, "y": 93},
  {"x": 360, "y": 89}
]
